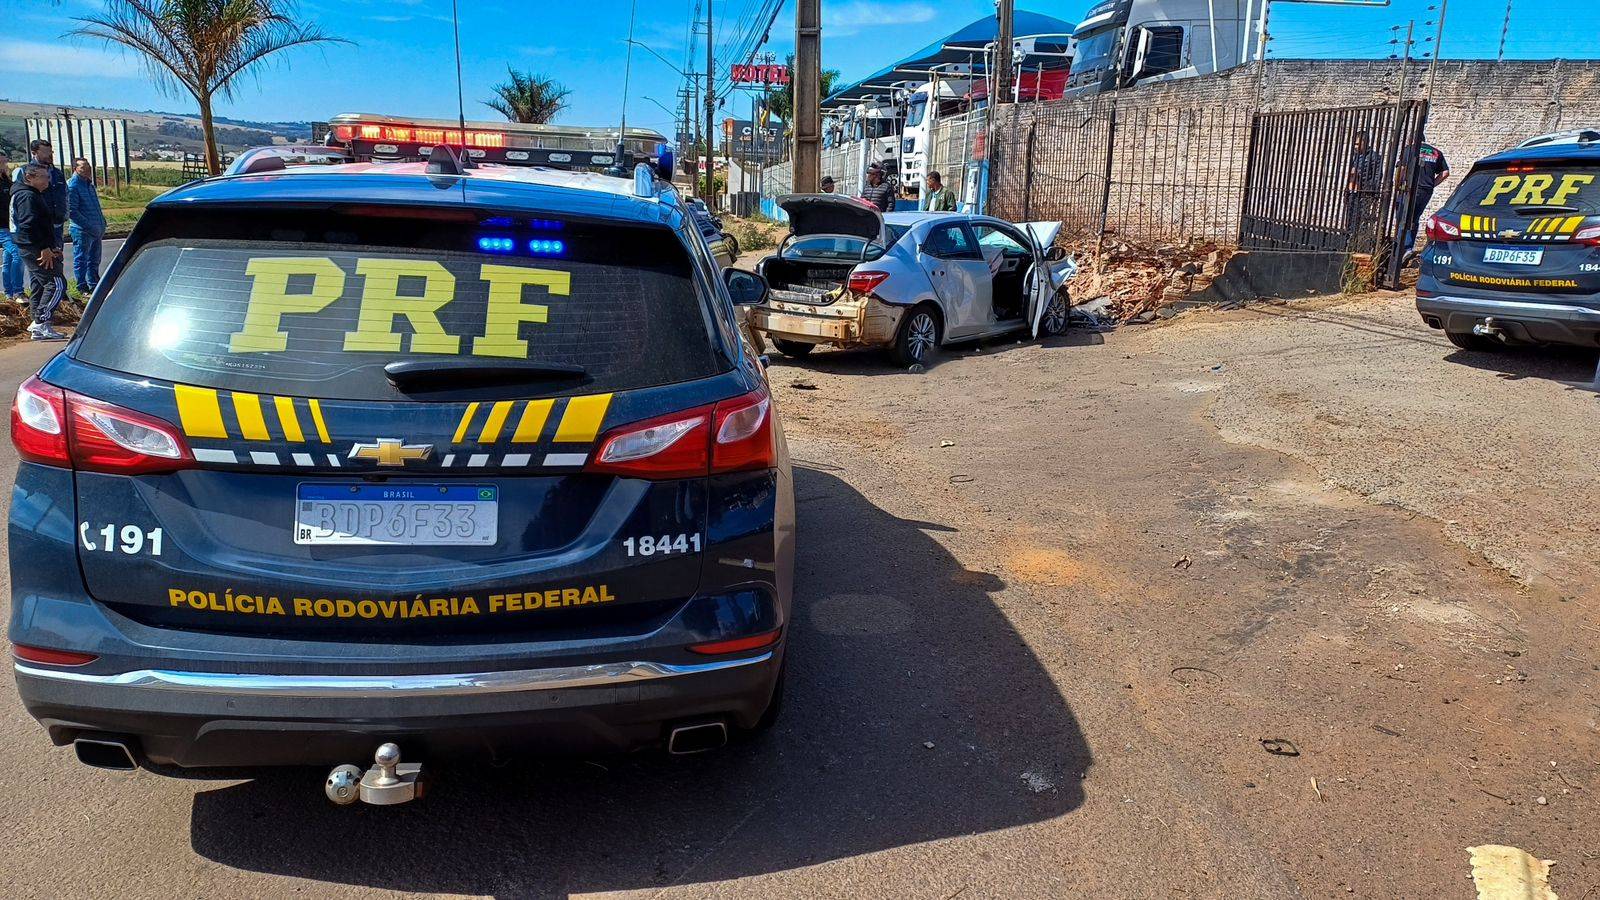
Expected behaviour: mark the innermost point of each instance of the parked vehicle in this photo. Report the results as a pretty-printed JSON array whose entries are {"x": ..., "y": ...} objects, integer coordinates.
[
  {"x": 1514, "y": 256},
  {"x": 471, "y": 460},
  {"x": 724, "y": 246},
  {"x": 909, "y": 282},
  {"x": 1121, "y": 43},
  {"x": 281, "y": 156}
]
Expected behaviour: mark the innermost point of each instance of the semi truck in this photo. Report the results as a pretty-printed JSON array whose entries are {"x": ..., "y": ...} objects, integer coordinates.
[{"x": 1122, "y": 43}]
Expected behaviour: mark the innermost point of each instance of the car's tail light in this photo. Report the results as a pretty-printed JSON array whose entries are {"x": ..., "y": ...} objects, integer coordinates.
[
  {"x": 60, "y": 428},
  {"x": 51, "y": 657},
  {"x": 738, "y": 645},
  {"x": 865, "y": 282},
  {"x": 1589, "y": 236},
  {"x": 671, "y": 446},
  {"x": 744, "y": 434},
  {"x": 730, "y": 436},
  {"x": 1442, "y": 229}
]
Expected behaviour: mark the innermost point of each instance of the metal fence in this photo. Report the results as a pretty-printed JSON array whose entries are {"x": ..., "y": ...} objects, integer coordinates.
[{"x": 1149, "y": 173}]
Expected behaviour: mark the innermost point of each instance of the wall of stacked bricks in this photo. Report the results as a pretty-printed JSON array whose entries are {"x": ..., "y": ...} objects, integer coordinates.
[{"x": 1180, "y": 149}]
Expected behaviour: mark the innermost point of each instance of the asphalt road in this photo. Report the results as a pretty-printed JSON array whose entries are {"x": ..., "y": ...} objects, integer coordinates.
[{"x": 1046, "y": 616}]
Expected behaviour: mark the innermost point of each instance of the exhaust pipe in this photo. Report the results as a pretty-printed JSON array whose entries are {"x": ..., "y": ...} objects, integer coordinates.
[
  {"x": 698, "y": 737},
  {"x": 105, "y": 753}
]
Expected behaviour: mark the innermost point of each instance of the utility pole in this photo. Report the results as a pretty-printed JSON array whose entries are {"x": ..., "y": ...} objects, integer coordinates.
[
  {"x": 1505, "y": 29},
  {"x": 1438, "y": 47},
  {"x": 807, "y": 96},
  {"x": 711, "y": 112},
  {"x": 1005, "y": 11}
]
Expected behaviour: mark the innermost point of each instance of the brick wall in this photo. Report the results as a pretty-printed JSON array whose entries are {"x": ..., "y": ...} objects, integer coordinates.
[{"x": 1179, "y": 154}]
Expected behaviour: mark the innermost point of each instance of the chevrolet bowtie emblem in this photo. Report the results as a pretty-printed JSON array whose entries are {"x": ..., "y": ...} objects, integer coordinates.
[
  {"x": 1509, "y": 233},
  {"x": 390, "y": 451}
]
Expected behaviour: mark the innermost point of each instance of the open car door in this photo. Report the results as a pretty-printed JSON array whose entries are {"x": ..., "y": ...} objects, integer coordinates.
[{"x": 1046, "y": 277}]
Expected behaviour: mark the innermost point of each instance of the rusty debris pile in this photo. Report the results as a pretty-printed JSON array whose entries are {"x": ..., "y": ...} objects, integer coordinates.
[{"x": 1140, "y": 282}]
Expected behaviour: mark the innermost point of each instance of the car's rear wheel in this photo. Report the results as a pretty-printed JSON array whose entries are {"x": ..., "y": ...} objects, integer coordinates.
[
  {"x": 1466, "y": 340},
  {"x": 917, "y": 338},
  {"x": 1055, "y": 318},
  {"x": 793, "y": 348}
]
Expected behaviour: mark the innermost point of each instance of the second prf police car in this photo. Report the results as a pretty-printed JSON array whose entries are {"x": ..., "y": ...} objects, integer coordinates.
[
  {"x": 467, "y": 460},
  {"x": 1514, "y": 256}
]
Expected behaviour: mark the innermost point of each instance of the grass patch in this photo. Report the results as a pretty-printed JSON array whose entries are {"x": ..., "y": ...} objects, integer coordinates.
[
  {"x": 752, "y": 235},
  {"x": 124, "y": 207}
]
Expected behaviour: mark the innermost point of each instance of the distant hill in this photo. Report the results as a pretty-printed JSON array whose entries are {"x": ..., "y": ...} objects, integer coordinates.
[{"x": 151, "y": 130}]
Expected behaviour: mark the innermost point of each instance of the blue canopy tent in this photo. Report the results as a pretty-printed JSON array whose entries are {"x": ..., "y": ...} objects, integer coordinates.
[{"x": 965, "y": 48}]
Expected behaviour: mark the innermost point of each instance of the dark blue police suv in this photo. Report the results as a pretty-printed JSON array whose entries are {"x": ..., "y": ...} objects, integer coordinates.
[{"x": 463, "y": 460}]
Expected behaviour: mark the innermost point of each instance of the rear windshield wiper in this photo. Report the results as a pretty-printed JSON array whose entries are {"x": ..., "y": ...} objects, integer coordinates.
[{"x": 439, "y": 374}]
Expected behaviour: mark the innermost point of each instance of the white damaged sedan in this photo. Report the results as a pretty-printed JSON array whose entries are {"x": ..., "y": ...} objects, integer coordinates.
[{"x": 909, "y": 282}]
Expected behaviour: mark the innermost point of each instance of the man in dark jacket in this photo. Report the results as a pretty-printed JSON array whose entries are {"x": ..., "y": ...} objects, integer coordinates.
[
  {"x": 42, "y": 153},
  {"x": 34, "y": 229}
]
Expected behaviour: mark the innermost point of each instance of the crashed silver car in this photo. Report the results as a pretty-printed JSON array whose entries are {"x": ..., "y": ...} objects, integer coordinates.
[{"x": 908, "y": 282}]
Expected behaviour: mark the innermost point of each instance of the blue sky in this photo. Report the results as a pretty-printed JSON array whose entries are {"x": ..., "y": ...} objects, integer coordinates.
[{"x": 403, "y": 60}]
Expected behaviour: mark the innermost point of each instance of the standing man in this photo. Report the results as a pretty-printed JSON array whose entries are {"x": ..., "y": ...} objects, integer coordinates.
[
  {"x": 34, "y": 229},
  {"x": 11, "y": 279},
  {"x": 877, "y": 191},
  {"x": 935, "y": 196},
  {"x": 42, "y": 153},
  {"x": 1432, "y": 170},
  {"x": 87, "y": 223},
  {"x": 1363, "y": 182}
]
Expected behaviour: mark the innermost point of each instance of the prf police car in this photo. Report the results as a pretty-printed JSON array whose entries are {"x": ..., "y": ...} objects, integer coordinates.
[
  {"x": 1514, "y": 256},
  {"x": 463, "y": 460}
]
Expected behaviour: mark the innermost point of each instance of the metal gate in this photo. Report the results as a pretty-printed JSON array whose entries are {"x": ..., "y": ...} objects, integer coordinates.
[{"x": 1326, "y": 181}]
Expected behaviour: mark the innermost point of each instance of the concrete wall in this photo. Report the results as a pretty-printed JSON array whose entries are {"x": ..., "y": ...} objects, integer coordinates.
[{"x": 1179, "y": 150}]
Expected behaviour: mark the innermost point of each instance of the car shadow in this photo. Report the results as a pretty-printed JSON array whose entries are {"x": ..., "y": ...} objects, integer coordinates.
[
  {"x": 1573, "y": 366},
  {"x": 914, "y": 712},
  {"x": 856, "y": 361}
]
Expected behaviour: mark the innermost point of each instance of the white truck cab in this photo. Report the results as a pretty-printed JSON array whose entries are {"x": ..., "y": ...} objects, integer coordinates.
[
  {"x": 1122, "y": 43},
  {"x": 923, "y": 110}
]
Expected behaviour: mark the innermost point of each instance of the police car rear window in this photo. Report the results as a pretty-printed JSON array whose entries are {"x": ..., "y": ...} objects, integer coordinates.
[
  {"x": 314, "y": 304},
  {"x": 1530, "y": 189}
]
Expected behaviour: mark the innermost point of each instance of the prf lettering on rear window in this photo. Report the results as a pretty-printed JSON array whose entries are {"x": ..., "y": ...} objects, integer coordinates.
[
  {"x": 382, "y": 305},
  {"x": 1535, "y": 190}
]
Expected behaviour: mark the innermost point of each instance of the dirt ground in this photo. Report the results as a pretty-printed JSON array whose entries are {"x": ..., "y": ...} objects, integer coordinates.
[{"x": 1291, "y": 601}]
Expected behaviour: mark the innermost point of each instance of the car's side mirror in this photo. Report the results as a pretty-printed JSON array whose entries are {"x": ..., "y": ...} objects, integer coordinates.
[
  {"x": 1056, "y": 253},
  {"x": 746, "y": 288}
]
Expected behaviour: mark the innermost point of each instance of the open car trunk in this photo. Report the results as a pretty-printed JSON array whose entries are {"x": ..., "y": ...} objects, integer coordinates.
[{"x": 800, "y": 281}]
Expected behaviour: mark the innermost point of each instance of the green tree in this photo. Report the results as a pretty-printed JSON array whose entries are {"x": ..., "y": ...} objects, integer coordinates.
[
  {"x": 529, "y": 98},
  {"x": 782, "y": 103},
  {"x": 203, "y": 46}
]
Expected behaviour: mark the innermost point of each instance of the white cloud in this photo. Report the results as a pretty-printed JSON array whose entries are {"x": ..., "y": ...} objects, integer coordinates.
[
  {"x": 58, "y": 59},
  {"x": 853, "y": 16}
]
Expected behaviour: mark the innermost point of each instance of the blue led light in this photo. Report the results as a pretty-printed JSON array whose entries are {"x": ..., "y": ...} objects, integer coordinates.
[
  {"x": 546, "y": 224},
  {"x": 499, "y": 222},
  {"x": 546, "y": 247},
  {"x": 491, "y": 244}
]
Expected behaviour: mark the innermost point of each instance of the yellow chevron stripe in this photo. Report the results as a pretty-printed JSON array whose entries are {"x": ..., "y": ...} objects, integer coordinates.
[
  {"x": 466, "y": 422},
  {"x": 534, "y": 415},
  {"x": 581, "y": 421},
  {"x": 288, "y": 419},
  {"x": 252, "y": 427},
  {"x": 1571, "y": 224},
  {"x": 495, "y": 421},
  {"x": 199, "y": 413},
  {"x": 316, "y": 419},
  {"x": 1466, "y": 222}
]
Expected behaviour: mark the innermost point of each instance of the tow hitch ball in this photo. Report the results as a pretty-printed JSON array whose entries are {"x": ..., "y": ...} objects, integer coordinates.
[
  {"x": 387, "y": 783},
  {"x": 1489, "y": 328}
]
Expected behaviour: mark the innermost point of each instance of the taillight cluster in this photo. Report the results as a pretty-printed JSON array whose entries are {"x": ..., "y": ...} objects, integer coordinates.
[
  {"x": 60, "y": 428},
  {"x": 1589, "y": 236},
  {"x": 729, "y": 436},
  {"x": 1442, "y": 229},
  {"x": 865, "y": 282}
]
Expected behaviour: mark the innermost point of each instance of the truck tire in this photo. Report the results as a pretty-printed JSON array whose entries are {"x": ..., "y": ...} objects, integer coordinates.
[
  {"x": 795, "y": 349},
  {"x": 917, "y": 337}
]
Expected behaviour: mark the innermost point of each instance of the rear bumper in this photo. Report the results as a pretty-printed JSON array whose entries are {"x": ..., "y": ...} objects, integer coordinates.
[
  {"x": 1524, "y": 320},
  {"x": 866, "y": 322},
  {"x": 206, "y": 719}
]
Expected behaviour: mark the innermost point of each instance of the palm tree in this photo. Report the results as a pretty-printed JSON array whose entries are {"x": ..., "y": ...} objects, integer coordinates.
[
  {"x": 202, "y": 46},
  {"x": 529, "y": 97},
  {"x": 782, "y": 102}
]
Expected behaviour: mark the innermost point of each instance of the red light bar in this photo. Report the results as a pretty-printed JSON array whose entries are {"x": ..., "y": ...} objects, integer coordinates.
[
  {"x": 52, "y": 657},
  {"x": 407, "y": 134},
  {"x": 738, "y": 645}
]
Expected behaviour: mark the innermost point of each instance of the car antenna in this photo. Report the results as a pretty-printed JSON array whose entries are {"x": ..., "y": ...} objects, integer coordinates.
[
  {"x": 627, "y": 74},
  {"x": 461, "y": 104}
]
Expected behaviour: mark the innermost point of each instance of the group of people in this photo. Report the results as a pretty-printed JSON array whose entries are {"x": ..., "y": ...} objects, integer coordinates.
[
  {"x": 1364, "y": 184},
  {"x": 880, "y": 192},
  {"x": 41, "y": 206}
]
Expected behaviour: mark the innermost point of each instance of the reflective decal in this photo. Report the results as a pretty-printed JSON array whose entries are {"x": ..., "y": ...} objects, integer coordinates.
[
  {"x": 130, "y": 540},
  {"x": 507, "y": 312},
  {"x": 534, "y": 415},
  {"x": 495, "y": 421},
  {"x": 580, "y": 423},
  {"x": 270, "y": 299},
  {"x": 199, "y": 413},
  {"x": 418, "y": 607},
  {"x": 381, "y": 304},
  {"x": 247, "y": 407},
  {"x": 288, "y": 420}
]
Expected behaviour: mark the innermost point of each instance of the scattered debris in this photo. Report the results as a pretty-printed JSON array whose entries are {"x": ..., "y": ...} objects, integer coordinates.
[
  {"x": 1183, "y": 562},
  {"x": 1037, "y": 782},
  {"x": 803, "y": 385},
  {"x": 947, "y": 443},
  {"x": 1316, "y": 790},
  {"x": 1176, "y": 676},
  {"x": 928, "y": 744},
  {"x": 1280, "y": 747},
  {"x": 1506, "y": 873},
  {"x": 1541, "y": 800},
  {"x": 962, "y": 479},
  {"x": 1382, "y": 730},
  {"x": 1138, "y": 283}
]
